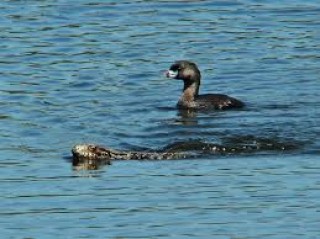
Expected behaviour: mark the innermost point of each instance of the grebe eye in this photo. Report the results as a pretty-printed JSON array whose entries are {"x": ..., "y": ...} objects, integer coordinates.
[{"x": 175, "y": 67}]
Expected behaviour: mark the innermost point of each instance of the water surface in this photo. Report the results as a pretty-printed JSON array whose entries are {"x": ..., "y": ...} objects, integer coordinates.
[{"x": 91, "y": 71}]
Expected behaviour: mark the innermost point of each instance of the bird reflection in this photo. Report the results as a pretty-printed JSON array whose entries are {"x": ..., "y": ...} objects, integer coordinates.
[{"x": 187, "y": 117}]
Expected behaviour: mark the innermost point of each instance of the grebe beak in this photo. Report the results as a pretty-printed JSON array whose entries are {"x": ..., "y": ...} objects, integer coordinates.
[{"x": 171, "y": 74}]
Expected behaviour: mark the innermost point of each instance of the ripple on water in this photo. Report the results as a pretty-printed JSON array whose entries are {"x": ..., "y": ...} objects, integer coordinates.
[{"x": 91, "y": 71}]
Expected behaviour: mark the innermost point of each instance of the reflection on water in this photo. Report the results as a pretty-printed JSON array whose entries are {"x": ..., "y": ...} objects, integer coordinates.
[
  {"x": 82, "y": 71},
  {"x": 83, "y": 164}
]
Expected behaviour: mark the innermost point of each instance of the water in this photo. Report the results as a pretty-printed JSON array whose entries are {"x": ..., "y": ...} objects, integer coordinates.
[{"x": 91, "y": 71}]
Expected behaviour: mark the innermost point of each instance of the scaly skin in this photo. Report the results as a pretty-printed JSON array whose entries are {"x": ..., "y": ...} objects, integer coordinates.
[
  {"x": 91, "y": 156},
  {"x": 98, "y": 153}
]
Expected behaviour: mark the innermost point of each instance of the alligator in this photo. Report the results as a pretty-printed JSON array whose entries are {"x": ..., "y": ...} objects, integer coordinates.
[{"x": 91, "y": 156}]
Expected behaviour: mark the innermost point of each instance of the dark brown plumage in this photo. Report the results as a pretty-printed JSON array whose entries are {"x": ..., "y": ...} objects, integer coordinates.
[{"x": 190, "y": 98}]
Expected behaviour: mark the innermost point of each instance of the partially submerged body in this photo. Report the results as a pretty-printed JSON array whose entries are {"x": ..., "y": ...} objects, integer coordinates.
[
  {"x": 91, "y": 156},
  {"x": 99, "y": 153},
  {"x": 190, "y": 98},
  {"x": 95, "y": 152}
]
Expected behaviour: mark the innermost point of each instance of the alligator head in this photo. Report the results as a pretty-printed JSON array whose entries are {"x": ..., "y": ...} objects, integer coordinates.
[{"x": 93, "y": 152}]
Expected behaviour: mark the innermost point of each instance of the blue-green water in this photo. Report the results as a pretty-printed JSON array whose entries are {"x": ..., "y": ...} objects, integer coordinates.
[{"x": 91, "y": 71}]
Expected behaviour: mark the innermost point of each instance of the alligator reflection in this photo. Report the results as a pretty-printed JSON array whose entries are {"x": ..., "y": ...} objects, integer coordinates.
[
  {"x": 92, "y": 157},
  {"x": 88, "y": 164}
]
